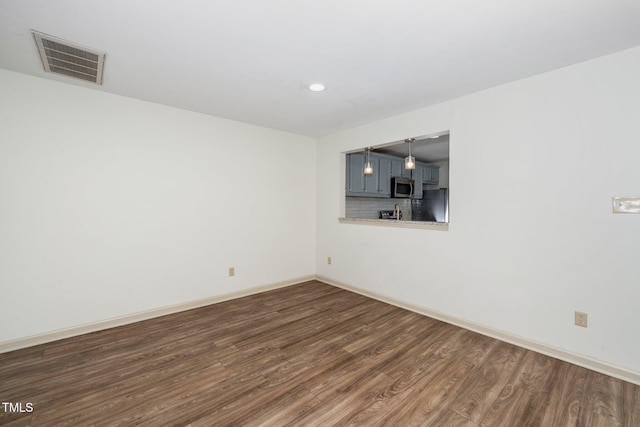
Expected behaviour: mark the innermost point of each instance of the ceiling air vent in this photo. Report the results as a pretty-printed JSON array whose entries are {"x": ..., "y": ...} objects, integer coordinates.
[{"x": 61, "y": 57}]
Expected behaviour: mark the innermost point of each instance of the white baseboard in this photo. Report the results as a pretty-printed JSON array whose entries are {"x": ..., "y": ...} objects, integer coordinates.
[
  {"x": 143, "y": 315},
  {"x": 558, "y": 353}
]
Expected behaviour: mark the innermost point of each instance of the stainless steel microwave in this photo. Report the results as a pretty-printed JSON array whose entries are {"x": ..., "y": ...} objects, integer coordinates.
[{"x": 401, "y": 187}]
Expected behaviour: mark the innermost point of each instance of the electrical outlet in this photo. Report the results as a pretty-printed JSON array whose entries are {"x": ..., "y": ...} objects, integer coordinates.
[
  {"x": 329, "y": 260},
  {"x": 232, "y": 271},
  {"x": 581, "y": 319}
]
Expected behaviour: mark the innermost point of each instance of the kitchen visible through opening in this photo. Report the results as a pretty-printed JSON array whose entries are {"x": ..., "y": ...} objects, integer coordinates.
[{"x": 394, "y": 193}]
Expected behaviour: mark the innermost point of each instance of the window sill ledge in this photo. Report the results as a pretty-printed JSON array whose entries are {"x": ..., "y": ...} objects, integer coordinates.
[{"x": 424, "y": 225}]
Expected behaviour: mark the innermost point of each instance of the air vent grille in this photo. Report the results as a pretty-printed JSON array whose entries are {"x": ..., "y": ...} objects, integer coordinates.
[{"x": 62, "y": 57}]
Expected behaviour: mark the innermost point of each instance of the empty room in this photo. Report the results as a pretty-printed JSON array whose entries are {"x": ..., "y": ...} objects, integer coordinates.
[{"x": 270, "y": 213}]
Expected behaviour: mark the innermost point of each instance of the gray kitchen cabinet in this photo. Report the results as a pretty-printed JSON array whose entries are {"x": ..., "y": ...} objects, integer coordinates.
[
  {"x": 424, "y": 174},
  {"x": 371, "y": 182},
  {"x": 355, "y": 175},
  {"x": 397, "y": 168},
  {"x": 359, "y": 184},
  {"x": 435, "y": 175},
  {"x": 427, "y": 174},
  {"x": 417, "y": 180},
  {"x": 384, "y": 187}
]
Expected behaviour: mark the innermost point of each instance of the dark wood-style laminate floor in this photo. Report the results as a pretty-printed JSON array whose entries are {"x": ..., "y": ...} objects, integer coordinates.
[{"x": 306, "y": 355}]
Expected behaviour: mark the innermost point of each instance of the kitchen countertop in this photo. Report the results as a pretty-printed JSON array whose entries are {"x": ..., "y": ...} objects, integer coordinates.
[{"x": 425, "y": 225}]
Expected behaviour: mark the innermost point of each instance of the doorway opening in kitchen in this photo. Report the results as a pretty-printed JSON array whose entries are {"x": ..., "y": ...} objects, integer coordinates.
[{"x": 391, "y": 191}]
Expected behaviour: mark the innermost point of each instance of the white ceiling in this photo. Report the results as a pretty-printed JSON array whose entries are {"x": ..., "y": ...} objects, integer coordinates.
[{"x": 250, "y": 60}]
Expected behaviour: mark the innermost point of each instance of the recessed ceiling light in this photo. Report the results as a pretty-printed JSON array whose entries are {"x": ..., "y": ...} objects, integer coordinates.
[
  {"x": 434, "y": 136},
  {"x": 317, "y": 87}
]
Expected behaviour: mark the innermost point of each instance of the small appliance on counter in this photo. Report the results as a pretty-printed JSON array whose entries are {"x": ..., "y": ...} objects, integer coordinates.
[{"x": 393, "y": 214}]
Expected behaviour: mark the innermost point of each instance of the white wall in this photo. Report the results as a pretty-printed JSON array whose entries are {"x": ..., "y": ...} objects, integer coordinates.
[
  {"x": 111, "y": 206},
  {"x": 520, "y": 256}
]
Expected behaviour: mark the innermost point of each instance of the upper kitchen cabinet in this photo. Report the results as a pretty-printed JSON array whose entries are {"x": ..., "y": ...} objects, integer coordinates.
[
  {"x": 428, "y": 174},
  {"x": 398, "y": 170},
  {"x": 359, "y": 184},
  {"x": 384, "y": 186},
  {"x": 424, "y": 174}
]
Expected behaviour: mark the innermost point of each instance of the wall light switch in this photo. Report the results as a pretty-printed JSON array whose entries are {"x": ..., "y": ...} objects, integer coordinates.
[{"x": 626, "y": 205}]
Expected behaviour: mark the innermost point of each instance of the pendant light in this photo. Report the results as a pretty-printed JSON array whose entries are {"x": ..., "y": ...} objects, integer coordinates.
[
  {"x": 368, "y": 169},
  {"x": 409, "y": 161}
]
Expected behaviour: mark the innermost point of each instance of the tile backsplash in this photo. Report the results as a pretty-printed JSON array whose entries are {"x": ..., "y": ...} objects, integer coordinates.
[{"x": 368, "y": 207}]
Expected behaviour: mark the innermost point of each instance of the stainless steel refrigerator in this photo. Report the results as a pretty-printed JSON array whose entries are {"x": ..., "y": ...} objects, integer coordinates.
[{"x": 434, "y": 206}]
